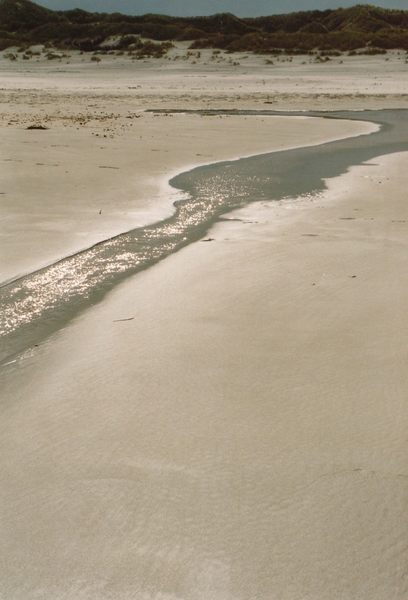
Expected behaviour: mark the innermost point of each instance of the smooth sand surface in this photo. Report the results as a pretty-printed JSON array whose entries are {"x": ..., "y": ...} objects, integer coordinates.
[{"x": 244, "y": 436}]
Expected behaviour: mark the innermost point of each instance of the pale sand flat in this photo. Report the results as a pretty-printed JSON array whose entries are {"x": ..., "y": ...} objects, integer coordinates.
[
  {"x": 244, "y": 436},
  {"x": 347, "y": 81}
]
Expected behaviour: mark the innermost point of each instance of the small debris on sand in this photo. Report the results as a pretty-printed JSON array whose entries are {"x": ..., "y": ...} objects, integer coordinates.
[
  {"x": 38, "y": 127},
  {"x": 122, "y": 320}
]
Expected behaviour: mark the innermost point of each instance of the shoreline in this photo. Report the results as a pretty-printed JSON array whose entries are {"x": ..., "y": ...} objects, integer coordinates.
[
  {"x": 63, "y": 221},
  {"x": 44, "y": 301}
]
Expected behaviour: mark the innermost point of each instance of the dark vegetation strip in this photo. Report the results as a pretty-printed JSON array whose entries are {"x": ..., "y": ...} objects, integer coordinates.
[{"x": 23, "y": 23}]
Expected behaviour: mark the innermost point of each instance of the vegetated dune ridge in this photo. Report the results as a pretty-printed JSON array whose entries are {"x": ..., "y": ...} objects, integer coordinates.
[
  {"x": 38, "y": 304},
  {"x": 23, "y": 22}
]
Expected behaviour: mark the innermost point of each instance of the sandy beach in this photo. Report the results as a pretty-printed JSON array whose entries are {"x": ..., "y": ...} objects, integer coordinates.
[{"x": 229, "y": 424}]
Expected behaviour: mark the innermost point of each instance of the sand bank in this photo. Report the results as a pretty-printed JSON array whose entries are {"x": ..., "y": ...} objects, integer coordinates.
[{"x": 243, "y": 435}]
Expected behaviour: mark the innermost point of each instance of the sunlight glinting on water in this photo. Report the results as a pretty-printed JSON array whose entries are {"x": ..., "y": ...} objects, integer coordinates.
[
  {"x": 38, "y": 304},
  {"x": 75, "y": 278}
]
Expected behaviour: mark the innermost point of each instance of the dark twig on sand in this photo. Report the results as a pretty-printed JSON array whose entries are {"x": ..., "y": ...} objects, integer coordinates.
[{"x": 122, "y": 320}]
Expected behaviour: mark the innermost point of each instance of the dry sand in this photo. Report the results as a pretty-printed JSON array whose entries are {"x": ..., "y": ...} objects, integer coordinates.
[
  {"x": 243, "y": 80},
  {"x": 243, "y": 436}
]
